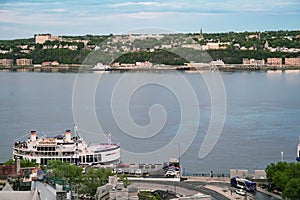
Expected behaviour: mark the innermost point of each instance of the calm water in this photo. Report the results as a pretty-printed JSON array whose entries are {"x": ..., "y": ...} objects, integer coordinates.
[{"x": 262, "y": 119}]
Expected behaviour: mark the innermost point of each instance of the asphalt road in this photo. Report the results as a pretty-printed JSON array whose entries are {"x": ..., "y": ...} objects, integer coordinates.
[
  {"x": 184, "y": 188},
  {"x": 193, "y": 187}
]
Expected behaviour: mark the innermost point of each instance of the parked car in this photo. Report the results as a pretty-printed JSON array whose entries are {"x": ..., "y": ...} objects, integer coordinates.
[
  {"x": 131, "y": 172},
  {"x": 240, "y": 192},
  {"x": 138, "y": 172},
  {"x": 145, "y": 172},
  {"x": 171, "y": 173},
  {"x": 119, "y": 171}
]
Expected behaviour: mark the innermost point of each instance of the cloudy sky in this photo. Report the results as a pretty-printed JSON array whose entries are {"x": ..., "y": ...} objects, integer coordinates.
[{"x": 22, "y": 18}]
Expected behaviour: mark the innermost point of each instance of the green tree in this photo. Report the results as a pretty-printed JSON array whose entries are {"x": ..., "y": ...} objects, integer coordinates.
[
  {"x": 23, "y": 162},
  {"x": 70, "y": 173},
  {"x": 10, "y": 162},
  {"x": 94, "y": 178},
  {"x": 292, "y": 189},
  {"x": 28, "y": 163},
  {"x": 275, "y": 173},
  {"x": 146, "y": 195},
  {"x": 285, "y": 177},
  {"x": 125, "y": 180}
]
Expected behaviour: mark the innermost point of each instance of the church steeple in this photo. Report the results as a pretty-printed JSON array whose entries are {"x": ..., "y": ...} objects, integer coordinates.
[
  {"x": 266, "y": 45},
  {"x": 201, "y": 37}
]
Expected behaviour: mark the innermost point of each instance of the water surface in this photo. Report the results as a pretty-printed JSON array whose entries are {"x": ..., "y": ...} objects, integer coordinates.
[{"x": 263, "y": 115}]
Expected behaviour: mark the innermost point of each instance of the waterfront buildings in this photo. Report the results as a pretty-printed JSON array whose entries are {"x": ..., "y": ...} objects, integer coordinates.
[
  {"x": 252, "y": 61},
  {"x": 6, "y": 62},
  {"x": 23, "y": 61},
  {"x": 292, "y": 61},
  {"x": 274, "y": 61}
]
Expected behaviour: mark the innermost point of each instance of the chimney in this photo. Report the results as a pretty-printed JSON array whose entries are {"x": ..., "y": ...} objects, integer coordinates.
[
  {"x": 68, "y": 135},
  {"x": 33, "y": 136},
  {"x": 18, "y": 165}
]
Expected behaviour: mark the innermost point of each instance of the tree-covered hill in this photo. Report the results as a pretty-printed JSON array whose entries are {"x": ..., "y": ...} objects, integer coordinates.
[
  {"x": 230, "y": 47},
  {"x": 156, "y": 57}
]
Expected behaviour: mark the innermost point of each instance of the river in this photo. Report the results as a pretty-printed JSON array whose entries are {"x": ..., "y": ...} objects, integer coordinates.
[{"x": 146, "y": 111}]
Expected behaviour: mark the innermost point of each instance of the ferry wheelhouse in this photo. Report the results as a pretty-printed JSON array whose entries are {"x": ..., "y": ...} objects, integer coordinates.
[{"x": 66, "y": 148}]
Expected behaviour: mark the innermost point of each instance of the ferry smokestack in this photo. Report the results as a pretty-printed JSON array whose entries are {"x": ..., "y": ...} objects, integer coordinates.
[
  {"x": 68, "y": 135},
  {"x": 33, "y": 136}
]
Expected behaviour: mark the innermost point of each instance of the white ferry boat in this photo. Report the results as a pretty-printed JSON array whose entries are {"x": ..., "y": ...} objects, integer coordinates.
[{"x": 66, "y": 148}]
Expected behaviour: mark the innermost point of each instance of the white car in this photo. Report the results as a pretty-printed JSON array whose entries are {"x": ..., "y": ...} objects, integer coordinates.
[
  {"x": 172, "y": 173},
  {"x": 240, "y": 192},
  {"x": 138, "y": 172},
  {"x": 119, "y": 171}
]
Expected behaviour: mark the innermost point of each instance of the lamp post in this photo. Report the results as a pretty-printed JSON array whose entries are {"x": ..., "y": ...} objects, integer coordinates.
[{"x": 281, "y": 156}]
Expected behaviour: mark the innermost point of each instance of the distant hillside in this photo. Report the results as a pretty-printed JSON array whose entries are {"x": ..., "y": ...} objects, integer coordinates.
[{"x": 157, "y": 48}]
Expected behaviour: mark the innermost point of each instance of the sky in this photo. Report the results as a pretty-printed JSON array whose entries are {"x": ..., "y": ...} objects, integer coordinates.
[{"x": 24, "y": 18}]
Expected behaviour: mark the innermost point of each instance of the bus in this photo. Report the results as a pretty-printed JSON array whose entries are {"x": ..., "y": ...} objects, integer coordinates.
[{"x": 243, "y": 183}]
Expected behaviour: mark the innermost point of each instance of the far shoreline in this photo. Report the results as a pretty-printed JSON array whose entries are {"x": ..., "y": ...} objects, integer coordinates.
[{"x": 76, "y": 68}]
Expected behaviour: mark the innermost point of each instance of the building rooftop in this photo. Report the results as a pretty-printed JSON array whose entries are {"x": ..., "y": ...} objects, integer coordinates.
[{"x": 19, "y": 195}]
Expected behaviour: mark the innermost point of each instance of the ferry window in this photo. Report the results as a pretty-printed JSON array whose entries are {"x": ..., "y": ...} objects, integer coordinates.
[
  {"x": 89, "y": 158},
  {"x": 99, "y": 157}
]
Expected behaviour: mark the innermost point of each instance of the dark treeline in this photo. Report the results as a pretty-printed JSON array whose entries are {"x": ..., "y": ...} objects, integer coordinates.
[
  {"x": 156, "y": 57},
  {"x": 231, "y": 56}
]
